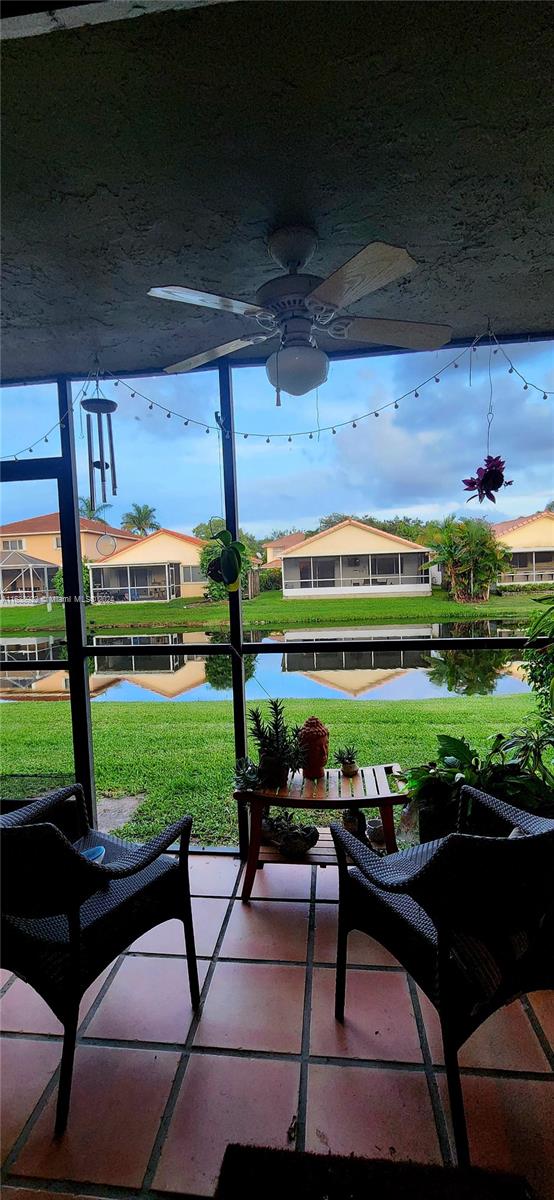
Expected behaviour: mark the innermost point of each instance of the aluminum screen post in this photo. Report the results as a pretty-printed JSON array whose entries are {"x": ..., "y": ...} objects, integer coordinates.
[
  {"x": 235, "y": 599},
  {"x": 75, "y": 625}
]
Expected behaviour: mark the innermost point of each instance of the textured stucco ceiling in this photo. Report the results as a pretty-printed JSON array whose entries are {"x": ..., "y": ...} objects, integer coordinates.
[{"x": 164, "y": 150}]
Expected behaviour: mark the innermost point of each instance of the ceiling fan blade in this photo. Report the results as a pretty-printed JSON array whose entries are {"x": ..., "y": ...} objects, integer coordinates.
[
  {"x": 206, "y": 300},
  {"x": 409, "y": 335},
  {"x": 375, "y": 266},
  {"x": 206, "y": 356}
]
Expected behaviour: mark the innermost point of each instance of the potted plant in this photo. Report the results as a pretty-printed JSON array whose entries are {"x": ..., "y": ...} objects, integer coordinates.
[
  {"x": 345, "y": 758},
  {"x": 292, "y": 840},
  {"x": 514, "y": 769},
  {"x": 279, "y": 747}
]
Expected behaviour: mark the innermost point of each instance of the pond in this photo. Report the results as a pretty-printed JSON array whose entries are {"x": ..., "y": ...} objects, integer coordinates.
[{"x": 390, "y": 674}]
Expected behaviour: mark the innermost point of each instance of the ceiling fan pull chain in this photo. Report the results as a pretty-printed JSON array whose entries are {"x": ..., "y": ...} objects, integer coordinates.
[{"x": 277, "y": 388}]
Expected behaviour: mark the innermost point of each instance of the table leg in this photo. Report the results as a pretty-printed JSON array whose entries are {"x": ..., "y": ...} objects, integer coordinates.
[
  {"x": 256, "y": 814},
  {"x": 386, "y": 813}
]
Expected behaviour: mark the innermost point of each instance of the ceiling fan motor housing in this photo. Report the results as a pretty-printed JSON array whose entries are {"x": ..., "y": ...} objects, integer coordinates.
[{"x": 285, "y": 298}]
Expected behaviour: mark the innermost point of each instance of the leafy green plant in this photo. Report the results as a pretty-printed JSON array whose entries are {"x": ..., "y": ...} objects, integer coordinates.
[
  {"x": 347, "y": 754},
  {"x": 467, "y": 672},
  {"x": 271, "y": 580},
  {"x": 279, "y": 747},
  {"x": 58, "y": 584},
  {"x": 539, "y": 660},
  {"x": 513, "y": 769},
  {"x": 470, "y": 558},
  {"x": 247, "y": 775}
]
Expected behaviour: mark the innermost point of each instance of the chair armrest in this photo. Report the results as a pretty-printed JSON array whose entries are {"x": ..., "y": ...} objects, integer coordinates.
[
  {"x": 136, "y": 858},
  {"x": 392, "y": 873},
  {"x": 45, "y": 809},
  {"x": 513, "y": 817}
]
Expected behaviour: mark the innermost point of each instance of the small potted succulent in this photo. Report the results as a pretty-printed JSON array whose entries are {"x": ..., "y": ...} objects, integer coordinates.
[
  {"x": 292, "y": 840},
  {"x": 279, "y": 747},
  {"x": 345, "y": 758}
]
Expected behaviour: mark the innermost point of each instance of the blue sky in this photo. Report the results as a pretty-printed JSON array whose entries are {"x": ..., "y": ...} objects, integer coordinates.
[{"x": 409, "y": 460}]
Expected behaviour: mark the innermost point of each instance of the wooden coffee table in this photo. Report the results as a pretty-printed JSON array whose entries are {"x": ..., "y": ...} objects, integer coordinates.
[{"x": 370, "y": 788}]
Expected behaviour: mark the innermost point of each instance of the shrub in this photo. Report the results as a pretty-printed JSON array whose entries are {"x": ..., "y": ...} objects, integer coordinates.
[
  {"x": 539, "y": 662},
  {"x": 270, "y": 581},
  {"x": 58, "y": 584}
]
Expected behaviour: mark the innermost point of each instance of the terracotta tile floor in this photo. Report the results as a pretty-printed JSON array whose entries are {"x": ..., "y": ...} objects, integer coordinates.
[{"x": 158, "y": 1094}]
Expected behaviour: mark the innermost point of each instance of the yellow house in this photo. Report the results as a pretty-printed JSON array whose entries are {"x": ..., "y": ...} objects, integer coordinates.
[
  {"x": 162, "y": 566},
  {"x": 531, "y": 540},
  {"x": 40, "y": 537},
  {"x": 353, "y": 559}
]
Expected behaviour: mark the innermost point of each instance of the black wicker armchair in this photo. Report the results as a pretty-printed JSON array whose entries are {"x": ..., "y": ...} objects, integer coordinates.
[
  {"x": 470, "y": 917},
  {"x": 64, "y": 918}
]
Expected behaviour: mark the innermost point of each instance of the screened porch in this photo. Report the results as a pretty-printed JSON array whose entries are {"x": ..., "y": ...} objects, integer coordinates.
[
  {"x": 157, "y": 581},
  {"x": 346, "y": 574}
]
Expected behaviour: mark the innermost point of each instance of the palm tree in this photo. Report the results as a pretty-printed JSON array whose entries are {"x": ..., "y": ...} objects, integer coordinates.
[
  {"x": 470, "y": 557},
  {"x": 92, "y": 513},
  {"x": 140, "y": 519}
]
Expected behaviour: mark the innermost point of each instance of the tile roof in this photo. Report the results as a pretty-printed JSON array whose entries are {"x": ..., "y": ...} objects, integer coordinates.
[
  {"x": 50, "y": 523},
  {"x": 288, "y": 539},
  {"x": 368, "y": 529},
  {"x": 502, "y": 527}
]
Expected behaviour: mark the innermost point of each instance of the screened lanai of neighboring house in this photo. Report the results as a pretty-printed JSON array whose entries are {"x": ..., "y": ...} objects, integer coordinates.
[{"x": 25, "y": 579}]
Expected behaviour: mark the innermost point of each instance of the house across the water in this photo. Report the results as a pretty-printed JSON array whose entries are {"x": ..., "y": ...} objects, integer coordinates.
[
  {"x": 531, "y": 541},
  {"x": 354, "y": 559},
  {"x": 30, "y": 554},
  {"x": 162, "y": 566}
]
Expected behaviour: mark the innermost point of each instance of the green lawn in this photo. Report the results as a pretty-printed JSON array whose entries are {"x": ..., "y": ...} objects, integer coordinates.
[
  {"x": 270, "y": 611},
  {"x": 180, "y": 756}
]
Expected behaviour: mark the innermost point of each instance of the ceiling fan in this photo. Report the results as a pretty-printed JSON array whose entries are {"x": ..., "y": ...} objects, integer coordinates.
[{"x": 296, "y": 307}]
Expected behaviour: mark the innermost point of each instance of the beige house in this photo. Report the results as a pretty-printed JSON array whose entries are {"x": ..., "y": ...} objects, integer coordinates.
[
  {"x": 162, "y": 566},
  {"x": 531, "y": 541},
  {"x": 274, "y": 550},
  {"x": 353, "y": 559},
  {"x": 40, "y": 537}
]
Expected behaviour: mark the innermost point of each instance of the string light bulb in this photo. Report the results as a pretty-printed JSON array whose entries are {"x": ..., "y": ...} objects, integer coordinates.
[
  {"x": 416, "y": 395},
  {"x": 168, "y": 415},
  {"x": 437, "y": 378},
  {"x": 268, "y": 440},
  {"x": 396, "y": 404},
  {"x": 511, "y": 371},
  {"x": 525, "y": 387},
  {"x": 354, "y": 425},
  {"x": 333, "y": 431},
  {"x": 376, "y": 414},
  {"x": 150, "y": 406}
]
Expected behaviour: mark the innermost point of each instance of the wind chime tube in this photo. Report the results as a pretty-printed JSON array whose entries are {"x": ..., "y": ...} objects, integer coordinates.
[
  {"x": 101, "y": 457},
  {"x": 90, "y": 444},
  {"x": 112, "y": 454}
]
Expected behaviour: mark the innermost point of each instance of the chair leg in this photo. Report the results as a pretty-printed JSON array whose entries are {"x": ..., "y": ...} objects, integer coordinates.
[
  {"x": 66, "y": 1072},
  {"x": 456, "y": 1101},
  {"x": 190, "y": 947},
  {"x": 340, "y": 977}
]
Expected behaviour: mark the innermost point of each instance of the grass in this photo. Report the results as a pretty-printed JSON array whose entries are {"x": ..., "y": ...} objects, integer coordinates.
[
  {"x": 180, "y": 756},
  {"x": 271, "y": 611}
]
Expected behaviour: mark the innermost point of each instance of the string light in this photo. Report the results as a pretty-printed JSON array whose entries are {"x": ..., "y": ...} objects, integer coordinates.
[{"x": 454, "y": 362}]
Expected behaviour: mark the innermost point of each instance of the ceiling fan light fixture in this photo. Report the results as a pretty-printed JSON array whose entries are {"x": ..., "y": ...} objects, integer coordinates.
[{"x": 297, "y": 370}]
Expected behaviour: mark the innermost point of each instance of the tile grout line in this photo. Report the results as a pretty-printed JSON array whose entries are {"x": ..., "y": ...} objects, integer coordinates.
[
  {"x": 52, "y": 1084},
  {"x": 434, "y": 1094},
  {"x": 167, "y": 1115},
  {"x": 306, "y": 1021},
  {"x": 548, "y": 1050}
]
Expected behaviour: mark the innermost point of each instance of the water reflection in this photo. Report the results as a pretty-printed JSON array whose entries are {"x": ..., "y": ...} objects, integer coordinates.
[{"x": 381, "y": 674}]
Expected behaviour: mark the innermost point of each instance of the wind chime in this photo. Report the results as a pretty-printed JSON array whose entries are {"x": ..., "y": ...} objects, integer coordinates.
[{"x": 99, "y": 406}]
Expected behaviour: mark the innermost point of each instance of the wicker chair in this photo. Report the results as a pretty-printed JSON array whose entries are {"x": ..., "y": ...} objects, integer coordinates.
[
  {"x": 64, "y": 918},
  {"x": 470, "y": 917}
]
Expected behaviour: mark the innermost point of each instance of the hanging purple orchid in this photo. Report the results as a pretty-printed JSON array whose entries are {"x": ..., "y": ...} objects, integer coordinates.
[{"x": 489, "y": 479}]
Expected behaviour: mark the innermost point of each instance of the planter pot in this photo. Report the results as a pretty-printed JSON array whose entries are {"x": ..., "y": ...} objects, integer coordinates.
[
  {"x": 349, "y": 769},
  {"x": 375, "y": 832},
  {"x": 274, "y": 773}
]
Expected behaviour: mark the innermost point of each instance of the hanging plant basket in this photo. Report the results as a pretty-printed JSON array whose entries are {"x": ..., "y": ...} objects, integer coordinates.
[
  {"x": 487, "y": 480},
  {"x": 227, "y": 565}
]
